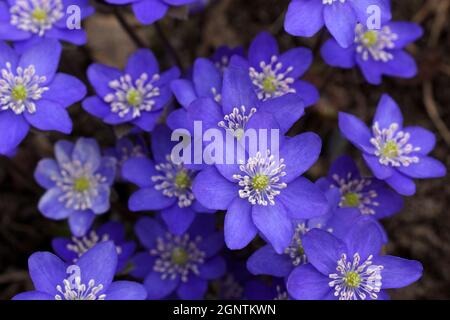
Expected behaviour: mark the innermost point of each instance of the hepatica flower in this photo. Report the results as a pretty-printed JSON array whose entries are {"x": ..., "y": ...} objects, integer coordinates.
[
  {"x": 178, "y": 263},
  {"x": 350, "y": 269},
  {"x": 27, "y": 21},
  {"x": 263, "y": 192},
  {"x": 369, "y": 195},
  {"x": 377, "y": 52},
  {"x": 90, "y": 278},
  {"x": 222, "y": 56},
  {"x": 150, "y": 11},
  {"x": 394, "y": 153},
  {"x": 78, "y": 183},
  {"x": 275, "y": 74},
  {"x": 72, "y": 249},
  {"x": 33, "y": 94},
  {"x": 305, "y": 18},
  {"x": 135, "y": 96},
  {"x": 163, "y": 184}
]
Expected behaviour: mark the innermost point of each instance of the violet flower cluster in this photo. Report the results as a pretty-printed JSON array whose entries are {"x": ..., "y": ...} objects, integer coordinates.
[{"x": 317, "y": 239}]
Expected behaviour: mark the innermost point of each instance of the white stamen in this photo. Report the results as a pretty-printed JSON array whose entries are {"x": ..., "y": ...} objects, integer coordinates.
[
  {"x": 332, "y": 1},
  {"x": 392, "y": 147},
  {"x": 236, "y": 121},
  {"x": 261, "y": 179},
  {"x": 81, "y": 245},
  {"x": 167, "y": 182},
  {"x": 164, "y": 252},
  {"x": 271, "y": 81},
  {"x": 36, "y": 16},
  {"x": 74, "y": 197},
  {"x": 355, "y": 281},
  {"x": 384, "y": 40},
  {"x": 133, "y": 96},
  {"x": 79, "y": 291},
  {"x": 27, "y": 83}
]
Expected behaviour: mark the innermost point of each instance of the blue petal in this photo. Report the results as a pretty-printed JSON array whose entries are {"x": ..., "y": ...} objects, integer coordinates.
[
  {"x": 406, "y": 32},
  {"x": 142, "y": 61},
  {"x": 398, "y": 272},
  {"x": 7, "y": 54},
  {"x": 141, "y": 265},
  {"x": 323, "y": 250},
  {"x": 33, "y": 295},
  {"x": 388, "y": 113},
  {"x": 345, "y": 168},
  {"x": 265, "y": 261},
  {"x": 14, "y": 129},
  {"x": 96, "y": 107},
  {"x": 341, "y": 20},
  {"x": 239, "y": 227},
  {"x": 63, "y": 152},
  {"x": 193, "y": 289},
  {"x": 139, "y": 170},
  {"x": 237, "y": 90},
  {"x": 149, "y": 199},
  {"x": 177, "y": 219},
  {"x": 99, "y": 264},
  {"x": 184, "y": 91},
  {"x": 360, "y": 7},
  {"x": 51, "y": 207},
  {"x": 355, "y": 131},
  {"x": 158, "y": 288},
  {"x": 50, "y": 116},
  {"x": 205, "y": 77},
  {"x": 46, "y": 271},
  {"x": 87, "y": 151},
  {"x": 126, "y": 290},
  {"x": 299, "y": 59},
  {"x": 148, "y": 230},
  {"x": 100, "y": 76},
  {"x": 46, "y": 171},
  {"x": 380, "y": 171},
  {"x": 107, "y": 169},
  {"x": 100, "y": 204},
  {"x": 402, "y": 65},
  {"x": 401, "y": 183},
  {"x": 212, "y": 269},
  {"x": 427, "y": 167},
  {"x": 273, "y": 222},
  {"x": 422, "y": 138},
  {"x": 304, "y": 18},
  {"x": 364, "y": 238},
  {"x": 80, "y": 222},
  {"x": 213, "y": 191},
  {"x": 262, "y": 48},
  {"x": 307, "y": 92},
  {"x": 306, "y": 283},
  {"x": 336, "y": 56},
  {"x": 65, "y": 90},
  {"x": 149, "y": 11}
]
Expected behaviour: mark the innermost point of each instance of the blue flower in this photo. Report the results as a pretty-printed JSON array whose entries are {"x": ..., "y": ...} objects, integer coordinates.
[
  {"x": 257, "y": 289},
  {"x": 266, "y": 261},
  {"x": 178, "y": 263},
  {"x": 377, "y": 52},
  {"x": 72, "y": 249},
  {"x": 150, "y": 11},
  {"x": 163, "y": 185},
  {"x": 137, "y": 95},
  {"x": 27, "y": 21},
  {"x": 305, "y": 18},
  {"x": 33, "y": 94},
  {"x": 222, "y": 56},
  {"x": 125, "y": 149},
  {"x": 350, "y": 269},
  {"x": 369, "y": 195},
  {"x": 78, "y": 183},
  {"x": 238, "y": 106},
  {"x": 90, "y": 278},
  {"x": 393, "y": 153},
  {"x": 274, "y": 74},
  {"x": 263, "y": 192}
]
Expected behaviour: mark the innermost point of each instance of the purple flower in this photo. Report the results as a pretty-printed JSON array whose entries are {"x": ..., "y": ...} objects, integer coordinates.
[
  {"x": 222, "y": 56},
  {"x": 377, "y": 52},
  {"x": 239, "y": 108},
  {"x": 393, "y": 153},
  {"x": 90, "y": 278},
  {"x": 305, "y": 18},
  {"x": 163, "y": 185},
  {"x": 27, "y": 21},
  {"x": 178, "y": 263},
  {"x": 78, "y": 183},
  {"x": 125, "y": 149},
  {"x": 369, "y": 195},
  {"x": 137, "y": 95},
  {"x": 72, "y": 249},
  {"x": 150, "y": 11},
  {"x": 33, "y": 94},
  {"x": 257, "y": 289},
  {"x": 349, "y": 269},
  {"x": 266, "y": 261},
  {"x": 263, "y": 192},
  {"x": 274, "y": 74}
]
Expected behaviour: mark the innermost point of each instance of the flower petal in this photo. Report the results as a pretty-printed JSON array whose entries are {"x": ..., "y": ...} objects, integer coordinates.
[
  {"x": 46, "y": 271},
  {"x": 50, "y": 116},
  {"x": 265, "y": 261},
  {"x": 126, "y": 290},
  {"x": 239, "y": 227},
  {"x": 149, "y": 199},
  {"x": 304, "y": 18},
  {"x": 306, "y": 283},
  {"x": 398, "y": 272},
  {"x": 158, "y": 288}
]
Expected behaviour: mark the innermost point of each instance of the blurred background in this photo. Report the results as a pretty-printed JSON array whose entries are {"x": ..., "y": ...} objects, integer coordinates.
[{"x": 420, "y": 231}]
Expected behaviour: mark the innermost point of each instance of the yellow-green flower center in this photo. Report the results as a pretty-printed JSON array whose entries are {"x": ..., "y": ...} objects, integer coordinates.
[
  {"x": 352, "y": 279},
  {"x": 182, "y": 180},
  {"x": 134, "y": 97},
  {"x": 269, "y": 84},
  {"x": 370, "y": 38},
  {"x": 260, "y": 182},
  {"x": 351, "y": 199},
  {"x": 390, "y": 149},
  {"x": 39, "y": 15},
  {"x": 179, "y": 256},
  {"x": 81, "y": 184},
  {"x": 19, "y": 93}
]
